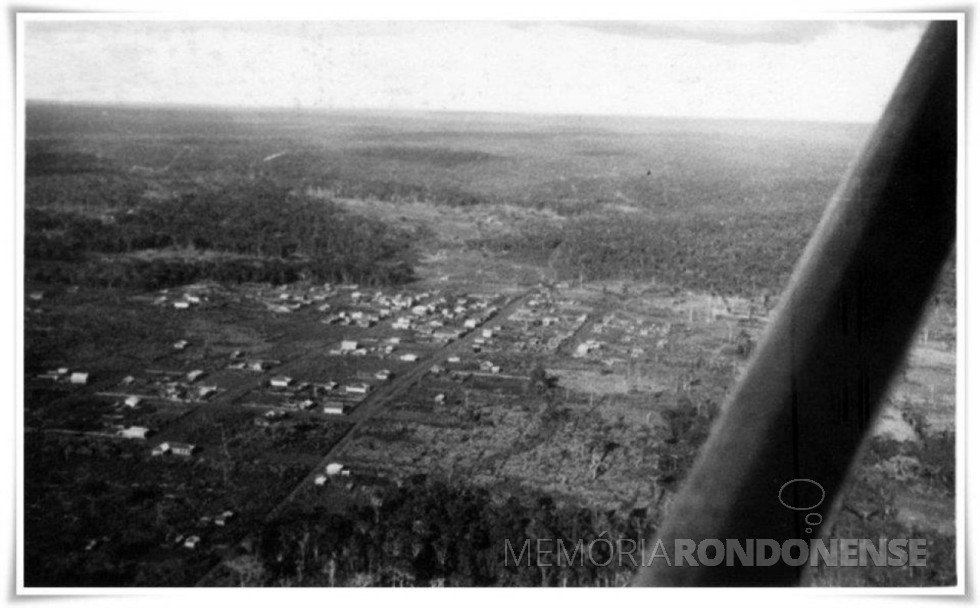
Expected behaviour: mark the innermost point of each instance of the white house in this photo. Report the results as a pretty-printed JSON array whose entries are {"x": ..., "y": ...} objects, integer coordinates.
[
  {"x": 134, "y": 432},
  {"x": 79, "y": 378},
  {"x": 410, "y": 357},
  {"x": 222, "y": 519},
  {"x": 203, "y": 392},
  {"x": 280, "y": 381},
  {"x": 183, "y": 449},
  {"x": 335, "y": 409},
  {"x": 132, "y": 401}
]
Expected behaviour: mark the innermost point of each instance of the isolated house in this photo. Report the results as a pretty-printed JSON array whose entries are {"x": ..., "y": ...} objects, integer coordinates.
[
  {"x": 410, "y": 357},
  {"x": 348, "y": 346},
  {"x": 280, "y": 381},
  {"x": 203, "y": 392},
  {"x": 79, "y": 378},
  {"x": 183, "y": 449},
  {"x": 359, "y": 388},
  {"x": 334, "y": 408},
  {"x": 134, "y": 432},
  {"x": 132, "y": 401},
  {"x": 335, "y": 468}
]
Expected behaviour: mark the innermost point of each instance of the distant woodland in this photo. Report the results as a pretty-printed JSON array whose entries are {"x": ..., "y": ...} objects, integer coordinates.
[{"x": 259, "y": 230}]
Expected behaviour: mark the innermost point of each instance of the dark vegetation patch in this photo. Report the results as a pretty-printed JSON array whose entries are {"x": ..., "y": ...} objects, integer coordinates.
[
  {"x": 133, "y": 506},
  {"x": 739, "y": 255},
  {"x": 439, "y": 156},
  {"x": 427, "y": 531},
  {"x": 276, "y": 236}
]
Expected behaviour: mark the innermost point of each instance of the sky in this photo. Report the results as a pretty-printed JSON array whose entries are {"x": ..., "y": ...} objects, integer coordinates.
[{"x": 784, "y": 70}]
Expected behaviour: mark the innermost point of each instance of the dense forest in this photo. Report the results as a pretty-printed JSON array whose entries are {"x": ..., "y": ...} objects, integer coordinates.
[
  {"x": 742, "y": 255},
  {"x": 262, "y": 231}
]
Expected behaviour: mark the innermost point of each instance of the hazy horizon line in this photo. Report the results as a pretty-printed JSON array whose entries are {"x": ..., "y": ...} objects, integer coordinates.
[{"x": 375, "y": 110}]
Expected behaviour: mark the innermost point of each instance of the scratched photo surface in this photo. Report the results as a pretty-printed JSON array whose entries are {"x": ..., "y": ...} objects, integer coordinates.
[{"x": 444, "y": 304}]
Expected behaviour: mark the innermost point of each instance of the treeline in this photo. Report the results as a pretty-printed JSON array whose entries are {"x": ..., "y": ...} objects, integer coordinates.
[
  {"x": 161, "y": 272},
  {"x": 738, "y": 255},
  {"x": 270, "y": 234},
  {"x": 399, "y": 192},
  {"x": 742, "y": 255},
  {"x": 431, "y": 533}
]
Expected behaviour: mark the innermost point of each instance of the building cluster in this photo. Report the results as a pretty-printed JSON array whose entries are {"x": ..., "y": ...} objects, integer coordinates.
[
  {"x": 176, "y": 386},
  {"x": 64, "y": 375},
  {"x": 193, "y": 541},
  {"x": 176, "y": 448},
  {"x": 544, "y": 323},
  {"x": 330, "y": 397},
  {"x": 185, "y": 298}
]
